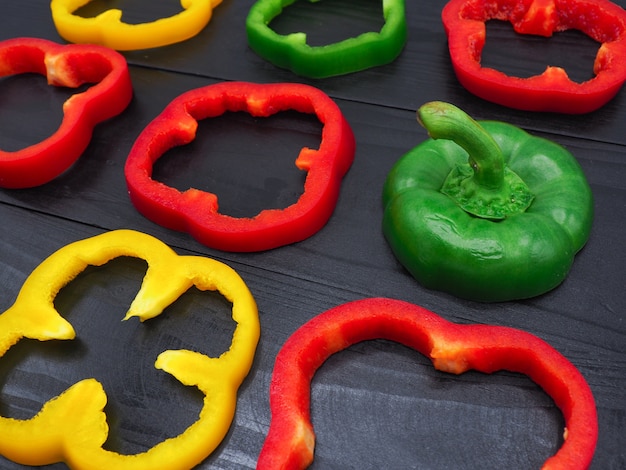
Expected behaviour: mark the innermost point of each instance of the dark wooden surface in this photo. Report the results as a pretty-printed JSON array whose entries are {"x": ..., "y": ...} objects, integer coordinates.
[{"x": 378, "y": 404}]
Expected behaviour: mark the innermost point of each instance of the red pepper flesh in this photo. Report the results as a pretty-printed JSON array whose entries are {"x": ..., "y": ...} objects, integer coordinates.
[
  {"x": 553, "y": 90},
  {"x": 196, "y": 212},
  {"x": 452, "y": 348},
  {"x": 67, "y": 66}
]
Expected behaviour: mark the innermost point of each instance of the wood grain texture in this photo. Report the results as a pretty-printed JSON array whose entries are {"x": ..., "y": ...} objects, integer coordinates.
[{"x": 378, "y": 404}]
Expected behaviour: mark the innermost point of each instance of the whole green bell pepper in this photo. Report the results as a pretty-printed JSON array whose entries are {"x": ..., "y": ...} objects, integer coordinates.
[{"x": 485, "y": 211}]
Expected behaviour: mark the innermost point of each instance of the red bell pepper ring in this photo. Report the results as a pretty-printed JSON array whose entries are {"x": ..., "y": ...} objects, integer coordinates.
[
  {"x": 67, "y": 66},
  {"x": 196, "y": 212},
  {"x": 451, "y": 347},
  {"x": 552, "y": 90}
]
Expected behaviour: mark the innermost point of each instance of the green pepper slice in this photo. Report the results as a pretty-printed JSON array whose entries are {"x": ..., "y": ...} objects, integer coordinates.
[{"x": 350, "y": 55}]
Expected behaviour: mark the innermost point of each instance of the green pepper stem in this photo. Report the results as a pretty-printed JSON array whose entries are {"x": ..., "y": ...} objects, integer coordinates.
[{"x": 446, "y": 121}]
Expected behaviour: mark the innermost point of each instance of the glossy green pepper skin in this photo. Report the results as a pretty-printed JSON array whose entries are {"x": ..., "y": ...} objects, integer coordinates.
[
  {"x": 354, "y": 54},
  {"x": 517, "y": 208}
]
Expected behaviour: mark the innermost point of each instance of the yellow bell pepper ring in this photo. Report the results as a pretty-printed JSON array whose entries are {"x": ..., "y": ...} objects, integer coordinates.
[
  {"x": 107, "y": 29},
  {"x": 72, "y": 427}
]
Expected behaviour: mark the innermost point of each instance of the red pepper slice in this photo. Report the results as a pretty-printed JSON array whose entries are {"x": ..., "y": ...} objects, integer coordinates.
[
  {"x": 553, "y": 90},
  {"x": 452, "y": 348},
  {"x": 68, "y": 66},
  {"x": 196, "y": 212}
]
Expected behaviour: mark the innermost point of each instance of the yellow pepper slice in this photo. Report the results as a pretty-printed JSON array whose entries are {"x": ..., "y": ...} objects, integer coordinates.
[
  {"x": 107, "y": 29},
  {"x": 72, "y": 427}
]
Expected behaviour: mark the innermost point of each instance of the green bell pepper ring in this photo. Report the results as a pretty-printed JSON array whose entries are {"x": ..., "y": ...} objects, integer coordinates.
[
  {"x": 485, "y": 211},
  {"x": 350, "y": 55},
  {"x": 451, "y": 347}
]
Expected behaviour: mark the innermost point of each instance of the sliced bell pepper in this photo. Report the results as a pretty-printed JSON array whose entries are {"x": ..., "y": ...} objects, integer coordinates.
[
  {"x": 485, "y": 211},
  {"x": 196, "y": 212},
  {"x": 603, "y": 21},
  {"x": 350, "y": 55},
  {"x": 107, "y": 28},
  {"x": 67, "y": 66},
  {"x": 72, "y": 427},
  {"x": 451, "y": 347}
]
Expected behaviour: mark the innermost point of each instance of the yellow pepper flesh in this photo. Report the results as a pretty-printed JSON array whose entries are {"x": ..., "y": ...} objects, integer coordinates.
[
  {"x": 107, "y": 29},
  {"x": 72, "y": 427}
]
